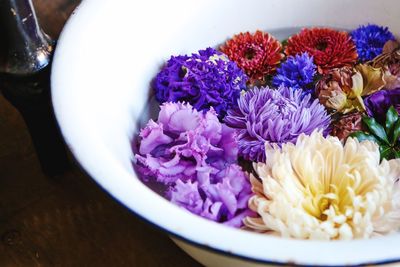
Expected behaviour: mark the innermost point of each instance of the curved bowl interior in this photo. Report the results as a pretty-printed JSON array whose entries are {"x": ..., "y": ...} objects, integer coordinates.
[{"x": 105, "y": 60}]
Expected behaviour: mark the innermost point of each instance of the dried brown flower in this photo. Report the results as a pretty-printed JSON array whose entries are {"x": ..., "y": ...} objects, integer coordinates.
[
  {"x": 347, "y": 124},
  {"x": 389, "y": 61}
]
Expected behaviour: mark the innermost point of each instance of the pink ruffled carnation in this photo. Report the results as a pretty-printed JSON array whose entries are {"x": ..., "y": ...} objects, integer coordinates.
[{"x": 194, "y": 156}]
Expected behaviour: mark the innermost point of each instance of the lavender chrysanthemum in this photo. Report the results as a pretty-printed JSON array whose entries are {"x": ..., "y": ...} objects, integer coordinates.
[
  {"x": 193, "y": 157},
  {"x": 207, "y": 79},
  {"x": 274, "y": 116},
  {"x": 297, "y": 72},
  {"x": 370, "y": 39}
]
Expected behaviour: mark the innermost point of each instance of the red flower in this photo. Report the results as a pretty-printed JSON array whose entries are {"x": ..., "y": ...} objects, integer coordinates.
[
  {"x": 330, "y": 48},
  {"x": 257, "y": 54}
]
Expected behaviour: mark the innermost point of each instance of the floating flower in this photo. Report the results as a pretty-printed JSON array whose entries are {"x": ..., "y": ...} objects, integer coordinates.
[
  {"x": 342, "y": 89},
  {"x": 297, "y": 72},
  {"x": 371, "y": 81},
  {"x": 223, "y": 198},
  {"x": 330, "y": 49},
  {"x": 321, "y": 189},
  {"x": 274, "y": 116},
  {"x": 389, "y": 61},
  {"x": 333, "y": 88},
  {"x": 182, "y": 140},
  {"x": 370, "y": 39},
  {"x": 194, "y": 155},
  {"x": 257, "y": 54},
  {"x": 207, "y": 79},
  {"x": 346, "y": 125},
  {"x": 378, "y": 103}
]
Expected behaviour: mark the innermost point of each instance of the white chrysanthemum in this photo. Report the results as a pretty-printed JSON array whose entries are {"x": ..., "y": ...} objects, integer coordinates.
[{"x": 320, "y": 189}]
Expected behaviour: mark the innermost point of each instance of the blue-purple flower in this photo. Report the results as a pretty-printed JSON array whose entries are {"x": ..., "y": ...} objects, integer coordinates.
[
  {"x": 206, "y": 79},
  {"x": 274, "y": 116},
  {"x": 370, "y": 39},
  {"x": 378, "y": 103},
  {"x": 193, "y": 156},
  {"x": 297, "y": 72}
]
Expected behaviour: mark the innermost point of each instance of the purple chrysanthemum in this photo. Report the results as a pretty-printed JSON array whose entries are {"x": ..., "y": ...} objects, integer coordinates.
[
  {"x": 207, "y": 79},
  {"x": 297, "y": 72},
  {"x": 370, "y": 39},
  {"x": 194, "y": 157},
  {"x": 274, "y": 116}
]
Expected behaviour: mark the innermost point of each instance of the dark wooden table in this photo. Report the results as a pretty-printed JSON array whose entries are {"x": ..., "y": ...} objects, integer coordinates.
[{"x": 69, "y": 221}]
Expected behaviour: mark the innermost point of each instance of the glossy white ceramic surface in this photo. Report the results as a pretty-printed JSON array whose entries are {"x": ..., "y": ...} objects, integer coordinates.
[{"x": 106, "y": 57}]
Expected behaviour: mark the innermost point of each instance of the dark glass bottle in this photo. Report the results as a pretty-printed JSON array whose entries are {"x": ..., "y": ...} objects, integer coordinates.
[{"x": 25, "y": 65}]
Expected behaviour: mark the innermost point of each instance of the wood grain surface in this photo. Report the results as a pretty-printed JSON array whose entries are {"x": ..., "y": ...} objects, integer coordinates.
[{"x": 68, "y": 221}]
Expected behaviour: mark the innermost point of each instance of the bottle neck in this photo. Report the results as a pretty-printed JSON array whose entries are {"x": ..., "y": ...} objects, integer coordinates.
[{"x": 26, "y": 49}]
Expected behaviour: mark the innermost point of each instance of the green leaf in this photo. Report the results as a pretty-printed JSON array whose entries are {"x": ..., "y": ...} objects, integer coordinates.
[
  {"x": 396, "y": 132},
  {"x": 361, "y": 136},
  {"x": 396, "y": 154},
  {"x": 391, "y": 118},
  {"x": 376, "y": 129},
  {"x": 386, "y": 152}
]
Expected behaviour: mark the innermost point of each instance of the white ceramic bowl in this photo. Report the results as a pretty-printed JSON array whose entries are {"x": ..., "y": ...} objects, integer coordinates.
[{"x": 107, "y": 55}]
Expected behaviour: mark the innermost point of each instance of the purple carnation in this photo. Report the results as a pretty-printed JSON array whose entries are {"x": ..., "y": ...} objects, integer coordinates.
[
  {"x": 194, "y": 155},
  {"x": 370, "y": 39},
  {"x": 207, "y": 79},
  {"x": 221, "y": 197},
  {"x": 378, "y": 103},
  {"x": 297, "y": 72},
  {"x": 274, "y": 116}
]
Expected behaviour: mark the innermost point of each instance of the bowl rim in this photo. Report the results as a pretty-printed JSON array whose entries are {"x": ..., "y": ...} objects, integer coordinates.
[
  {"x": 67, "y": 37},
  {"x": 219, "y": 251}
]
